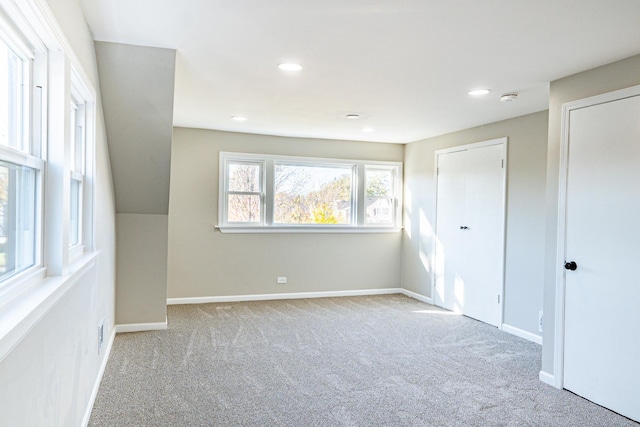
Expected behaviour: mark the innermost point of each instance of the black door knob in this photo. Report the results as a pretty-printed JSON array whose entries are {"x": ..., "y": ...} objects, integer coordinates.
[{"x": 571, "y": 265}]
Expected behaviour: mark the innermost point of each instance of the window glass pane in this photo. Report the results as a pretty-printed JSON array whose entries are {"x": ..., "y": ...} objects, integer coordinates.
[
  {"x": 244, "y": 177},
  {"x": 379, "y": 182},
  {"x": 11, "y": 98},
  {"x": 77, "y": 136},
  {"x": 379, "y": 207},
  {"x": 379, "y": 211},
  {"x": 74, "y": 219},
  {"x": 17, "y": 218},
  {"x": 244, "y": 208},
  {"x": 312, "y": 194}
]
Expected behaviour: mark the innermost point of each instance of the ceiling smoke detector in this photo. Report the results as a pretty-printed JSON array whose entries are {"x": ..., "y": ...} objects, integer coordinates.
[{"x": 508, "y": 97}]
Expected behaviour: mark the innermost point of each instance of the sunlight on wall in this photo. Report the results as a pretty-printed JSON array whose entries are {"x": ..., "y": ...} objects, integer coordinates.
[
  {"x": 408, "y": 200},
  {"x": 425, "y": 245}
]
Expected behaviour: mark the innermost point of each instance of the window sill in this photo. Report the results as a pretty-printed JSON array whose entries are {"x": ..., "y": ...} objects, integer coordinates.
[
  {"x": 308, "y": 229},
  {"x": 20, "y": 313}
]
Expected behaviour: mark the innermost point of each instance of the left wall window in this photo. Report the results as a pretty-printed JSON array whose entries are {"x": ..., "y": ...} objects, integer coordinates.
[{"x": 20, "y": 164}]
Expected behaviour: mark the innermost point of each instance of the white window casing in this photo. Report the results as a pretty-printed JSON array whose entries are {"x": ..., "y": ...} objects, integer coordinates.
[{"x": 309, "y": 195}]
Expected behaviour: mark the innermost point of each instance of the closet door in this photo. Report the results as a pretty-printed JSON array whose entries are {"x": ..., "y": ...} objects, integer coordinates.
[
  {"x": 449, "y": 292},
  {"x": 483, "y": 239},
  {"x": 470, "y": 230},
  {"x": 602, "y": 288}
]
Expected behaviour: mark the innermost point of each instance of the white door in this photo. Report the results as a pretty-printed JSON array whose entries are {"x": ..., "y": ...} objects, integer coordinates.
[
  {"x": 602, "y": 295},
  {"x": 450, "y": 216},
  {"x": 470, "y": 231}
]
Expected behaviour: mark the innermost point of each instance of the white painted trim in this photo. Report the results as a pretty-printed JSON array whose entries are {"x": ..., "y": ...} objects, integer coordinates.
[
  {"x": 567, "y": 108},
  {"x": 416, "y": 296},
  {"x": 547, "y": 378},
  {"x": 464, "y": 147},
  {"x": 140, "y": 327},
  {"x": 504, "y": 141},
  {"x": 310, "y": 229},
  {"x": 522, "y": 333},
  {"x": 96, "y": 385},
  {"x": 282, "y": 296}
]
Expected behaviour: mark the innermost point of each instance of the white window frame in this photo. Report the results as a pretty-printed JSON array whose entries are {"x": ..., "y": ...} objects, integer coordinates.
[
  {"x": 25, "y": 44},
  {"x": 267, "y": 225},
  {"x": 393, "y": 199},
  {"x": 55, "y": 80},
  {"x": 239, "y": 160},
  {"x": 81, "y": 141}
]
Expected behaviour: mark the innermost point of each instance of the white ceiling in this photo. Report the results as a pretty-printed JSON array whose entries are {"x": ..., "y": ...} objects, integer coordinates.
[{"x": 404, "y": 65}]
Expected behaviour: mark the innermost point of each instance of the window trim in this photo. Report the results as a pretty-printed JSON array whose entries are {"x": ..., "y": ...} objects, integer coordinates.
[
  {"x": 27, "y": 47},
  {"x": 267, "y": 224}
]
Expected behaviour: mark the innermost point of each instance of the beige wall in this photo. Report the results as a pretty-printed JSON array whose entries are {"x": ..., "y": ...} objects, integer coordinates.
[
  {"x": 204, "y": 262},
  {"x": 137, "y": 83},
  {"x": 141, "y": 295},
  {"x": 608, "y": 78},
  {"x": 526, "y": 154}
]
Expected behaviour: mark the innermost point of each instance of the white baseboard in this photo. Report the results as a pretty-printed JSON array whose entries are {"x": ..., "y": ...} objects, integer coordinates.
[
  {"x": 547, "y": 378},
  {"x": 297, "y": 295},
  {"x": 96, "y": 385},
  {"x": 141, "y": 327},
  {"x": 414, "y": 295},
  {"x": 522, "y": 333}
]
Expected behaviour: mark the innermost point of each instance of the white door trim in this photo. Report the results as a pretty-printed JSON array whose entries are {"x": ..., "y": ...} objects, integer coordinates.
[
  {"x": 567, "y": 108},
  {"x": 498, "y": 141}
]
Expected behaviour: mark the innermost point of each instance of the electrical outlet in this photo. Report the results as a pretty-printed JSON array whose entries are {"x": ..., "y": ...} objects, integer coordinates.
[
  {"x": 282, "y": 280},
  {"x": 540, "y": 321}
]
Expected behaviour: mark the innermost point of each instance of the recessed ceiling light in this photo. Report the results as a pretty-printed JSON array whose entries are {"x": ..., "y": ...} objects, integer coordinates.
[
  {"x": 352, "y": 116},
  {"x": 239, "y": 118},
  {"x": 290, "y": 66},
  {"x": 479, "y": 92},
  {"x": 367, "y": 130}
]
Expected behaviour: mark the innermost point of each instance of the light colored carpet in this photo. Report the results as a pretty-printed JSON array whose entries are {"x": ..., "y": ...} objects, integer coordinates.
[{"x": 357, "y": 361}]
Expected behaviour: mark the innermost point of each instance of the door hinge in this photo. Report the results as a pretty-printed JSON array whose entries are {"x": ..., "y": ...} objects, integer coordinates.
[
  {"x": 437, "y": 171},
  {"x": 498, "y": 298},
  {"x": 502, "y": 164}
]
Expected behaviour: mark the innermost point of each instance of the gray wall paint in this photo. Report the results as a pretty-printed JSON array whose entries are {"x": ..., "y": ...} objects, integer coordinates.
[
  {"x": 137, "y": 86},
  {"x": 48, "y": 378},
  {"x": 142, "y": 268},
  {"x": 524, "y": 261},
  {"x": 608, "y": 78},
  {"x": 204, "y": 262}
]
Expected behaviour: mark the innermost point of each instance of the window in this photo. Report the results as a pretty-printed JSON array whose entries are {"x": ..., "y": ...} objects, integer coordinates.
[
  {"x": 245, "y": 192},
  {"x": 20, "y": 165},
  {"x": 380, "y": 195},
  {"x": 76, "y": 181},
  {"x": 80, "y": 153},
  {"x": 47, "y": 137},
  {"x": 313, "y": 194},
  {"x": 278, "y": 193}
]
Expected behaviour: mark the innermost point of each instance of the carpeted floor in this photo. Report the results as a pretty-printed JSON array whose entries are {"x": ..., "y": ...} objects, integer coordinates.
[{"x": 357, "y": 361}]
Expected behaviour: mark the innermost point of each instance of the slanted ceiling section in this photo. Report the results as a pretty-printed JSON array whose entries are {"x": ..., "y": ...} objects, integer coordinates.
[{"x": 137, "y": 86}]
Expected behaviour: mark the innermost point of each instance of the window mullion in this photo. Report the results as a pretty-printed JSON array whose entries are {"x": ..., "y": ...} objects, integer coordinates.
[
  {"x": 360, "y": 200},
  {"x": 268, "y": 196}
]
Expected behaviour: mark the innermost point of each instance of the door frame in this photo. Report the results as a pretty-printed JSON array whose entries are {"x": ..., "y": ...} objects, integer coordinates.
[
  {"x": 498, "y": 141},
  {"x": 567, "y": 108}
]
